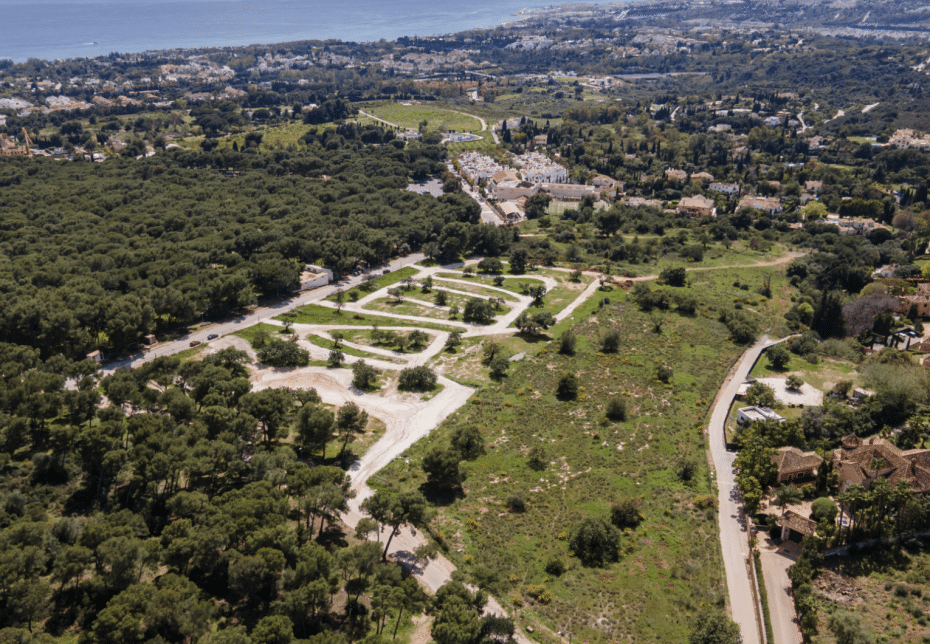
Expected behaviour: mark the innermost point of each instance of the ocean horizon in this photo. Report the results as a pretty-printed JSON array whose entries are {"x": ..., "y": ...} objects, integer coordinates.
[{"x": 52, "y": 29}]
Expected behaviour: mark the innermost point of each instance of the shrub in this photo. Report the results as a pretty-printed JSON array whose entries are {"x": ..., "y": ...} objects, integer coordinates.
[
  {"x": 417, "y": 379},
  {"x": 823, "y": 508},
  {"x": 673, "y": 276},
  {"x": 778, "y": 357},
  {"x": 626, "y": 514},
  {"x": 567, "y": 343},
  {"x": 280, "y": 353},
  {"x": 536, "y": 458},
  {"x": 515, "y": 503},
  {"x": 490, "y": 265},
  {"x": 616, "y": 409},
  {"x": 705, "y": 501},
  {"x": 595, "y": 542},
  {"x": 610, "y": 343},
  {"x": 364, "y": 375},
  {"x": 478, "y": 310},
  {"x": 568, "y": 387},
  {"x": 555, "y": 566},
  {"x": 664, "y": 373},
  {"x": 686, "y": 470},
  {"x": 499, "y": 366}
]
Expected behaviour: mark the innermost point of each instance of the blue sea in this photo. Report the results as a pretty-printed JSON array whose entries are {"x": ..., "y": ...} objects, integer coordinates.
[{"x": 49, "y": 29}]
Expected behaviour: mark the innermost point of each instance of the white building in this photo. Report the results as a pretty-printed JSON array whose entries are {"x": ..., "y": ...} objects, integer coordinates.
[
  {"x": 750, "y": 414},
  {"x": 314, "y": 276},
  {"x": 477, "y": 166},
  {"x": 538, "y": 168}
]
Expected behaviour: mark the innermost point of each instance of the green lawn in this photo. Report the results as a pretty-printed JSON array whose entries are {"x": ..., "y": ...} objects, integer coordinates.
[
  {"x": 349, "y": 351},
  {"x": 410, "y": 116},
  {"x": 316, "y": 314},
  {"x": 362, "y": 336},
  {"x": 510, "y": 283},
  {"x": 378, "y": 283},
  {"x": 822, "y": 375},
  {"x": 474, "y": 288}
]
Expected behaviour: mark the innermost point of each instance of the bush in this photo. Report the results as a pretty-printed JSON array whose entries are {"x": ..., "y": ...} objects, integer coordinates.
[
  {"x": 686, "y": 470},
  {"x": 515, "y": 503},
  {"x": 673, "y": 276},
  {"x": 823, "y": 508},
  {"x": 778, "y": 357},
  {"x": 417, "y": 379},
  {"x": 490, "y": 265},
  {"x": 499, "y": 366},
  {"x": 555, "y": 566},
  {"x": 741, "y": 325},
  {"x": 478, "y": 310},
  {"x": 468, "y": 442},
  {"x": 280, "y": 353},
  {"x": 364, "y": 375},
  {"x": 705, "y": 501},
  {"x": 626, "y": 514},
  {"x": 664, "y": 373},
  {"x": 568, "y": 387},
  {"x": 610, "y": 343},
  {"x": 536, "y": 458},
  {"x": 567, "y": 343},
  {"x": 595, "y": 542},
  {"x": 616, "y": 409}
]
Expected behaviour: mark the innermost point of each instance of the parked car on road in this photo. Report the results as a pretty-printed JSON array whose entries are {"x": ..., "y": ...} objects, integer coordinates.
[
  {"x": 194, "y": 343},
  {"x": 212, "y": 336}
]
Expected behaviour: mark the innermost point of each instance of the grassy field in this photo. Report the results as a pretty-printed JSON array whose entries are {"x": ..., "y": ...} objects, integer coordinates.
[
  {"x": 380, "y": 282},
  {"x": 823, "y": 375},
  {"x": 362, "y": 336},
  {"x": 886, "y": 588},
  {"x": 349, "y": 351},
  {"x": 316, "y": 314},
  {"x": 510, "y": 283},
  {"x": 670, "y": 565},
  {"x": 410, "y": 116},
  {"x": 475, "y": 289},
  {"x": 407, "y": 307}
]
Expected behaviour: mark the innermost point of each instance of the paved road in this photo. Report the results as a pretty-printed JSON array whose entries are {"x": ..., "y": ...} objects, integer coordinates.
[
  {"x": 734, "y": 539},
  {"x": 259, "y": 315},
  {"x": 775, "y": 563}
]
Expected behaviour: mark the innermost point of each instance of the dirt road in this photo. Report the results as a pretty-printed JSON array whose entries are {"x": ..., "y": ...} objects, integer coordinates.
[{"x": 265, "y": 314}]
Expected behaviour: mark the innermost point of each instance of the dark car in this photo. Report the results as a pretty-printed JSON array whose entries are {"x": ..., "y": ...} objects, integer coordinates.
[
  {"x": 212, "y": 336},
  {"x": 194, "y": 343}
]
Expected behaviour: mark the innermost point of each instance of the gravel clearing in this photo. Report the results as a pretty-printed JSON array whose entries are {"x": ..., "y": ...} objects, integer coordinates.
[{"x": 809, "y": 396}]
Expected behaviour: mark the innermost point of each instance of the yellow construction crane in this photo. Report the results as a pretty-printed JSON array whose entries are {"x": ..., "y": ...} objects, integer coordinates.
[{"x": 28, "y": 142}]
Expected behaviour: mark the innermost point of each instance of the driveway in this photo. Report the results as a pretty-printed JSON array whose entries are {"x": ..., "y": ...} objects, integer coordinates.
[
  {"x": 734, "y": 538},
  {"x": 775, "y": 563}
]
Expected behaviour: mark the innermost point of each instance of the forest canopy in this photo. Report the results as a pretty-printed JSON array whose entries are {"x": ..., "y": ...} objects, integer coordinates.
[{"x": 97, "y": 255}]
